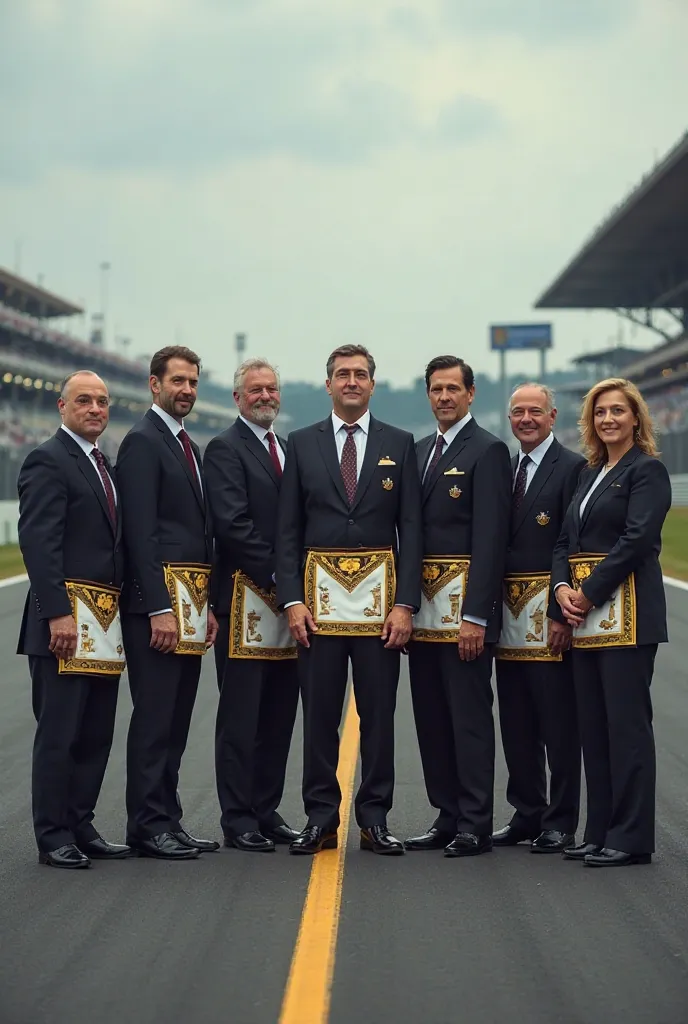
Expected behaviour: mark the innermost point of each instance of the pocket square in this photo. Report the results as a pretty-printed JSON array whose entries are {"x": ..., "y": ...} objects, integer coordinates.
[
  {"x": 454, "y": 472},
  {"x": 387, "y": 462}
]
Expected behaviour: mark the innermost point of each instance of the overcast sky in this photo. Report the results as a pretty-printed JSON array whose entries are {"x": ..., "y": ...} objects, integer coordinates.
[{"x": 315, "y": 172}]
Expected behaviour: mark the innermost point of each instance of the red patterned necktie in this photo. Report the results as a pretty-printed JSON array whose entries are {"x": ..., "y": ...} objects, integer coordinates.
[
  {"x": 521, "y": 481},
  {"x": 348, "y": 465},
  {"x": 436, "y": 455},
  {"x": 273, "y": 453},
  {"x": 107, "y": 484},
  {"x": 186, "y": 444}
]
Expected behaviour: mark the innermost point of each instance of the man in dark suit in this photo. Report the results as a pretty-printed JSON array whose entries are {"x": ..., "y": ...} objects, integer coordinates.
[
  {"x": 466, "y": 504},
  {"x": 258, "y": 694},
  {"x": 69, "y": 529},
  {"x": 537, "y": 705},
  {"x": 350, "y": 484},
  {"x": 165, "y": 520}
]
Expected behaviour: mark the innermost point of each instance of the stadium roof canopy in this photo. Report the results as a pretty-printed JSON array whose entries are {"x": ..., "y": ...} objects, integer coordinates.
[
  {"x": 638, "y": 258},
  {"x": 618, "y": 356},
  {"x": 29, "y": 298}
]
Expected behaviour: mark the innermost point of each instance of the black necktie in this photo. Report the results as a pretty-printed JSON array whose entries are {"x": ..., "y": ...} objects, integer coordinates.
[{"x": 521, "y": 481}]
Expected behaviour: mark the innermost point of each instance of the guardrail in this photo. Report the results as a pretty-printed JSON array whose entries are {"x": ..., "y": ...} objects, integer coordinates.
[{"x": 679, "y": 490}]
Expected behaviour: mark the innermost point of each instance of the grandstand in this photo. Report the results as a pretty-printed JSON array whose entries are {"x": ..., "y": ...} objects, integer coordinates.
[
  {"x": 35, "y": 356},
  {"x": 636, "y": 264}
]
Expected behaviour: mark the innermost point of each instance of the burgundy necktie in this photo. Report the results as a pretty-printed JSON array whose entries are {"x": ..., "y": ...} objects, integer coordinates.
[
  {"x": 186, "y": 444},
  {"x": 107, "y": 484},
  {"x": 348, "y": 465},
  {"x": 273, "y": 453},
  {"x": 436, "y": 456},
  {"x": 521, "y": 481}
]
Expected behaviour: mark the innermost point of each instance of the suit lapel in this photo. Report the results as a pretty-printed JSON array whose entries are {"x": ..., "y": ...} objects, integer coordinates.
[
  {"x": 90, "y": 472},
  {"x": 540, "y": 478},
  {"x": 328, "y": 450},
  {"x": 449, "y": 456},
  {"x": 370, "y": 459},
  {"x": 257, "y": 449},
  {"x": 609, "y": 479}
]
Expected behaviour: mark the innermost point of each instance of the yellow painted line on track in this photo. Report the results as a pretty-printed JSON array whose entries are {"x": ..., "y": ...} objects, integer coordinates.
[{"x": 309, "y": 986}]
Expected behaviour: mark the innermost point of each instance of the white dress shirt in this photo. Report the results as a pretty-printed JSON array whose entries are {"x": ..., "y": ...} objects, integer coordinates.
[
  {"x": 176, "y": 427},
  {"x": 448, "y": 436},
  {"x": 360, "y": 437},
  {"x": 88, "y": 448},
  {"x": 581, "y": 509},
  {"x": 262, "y": 435},
  {"x": 536, "y": 457}
]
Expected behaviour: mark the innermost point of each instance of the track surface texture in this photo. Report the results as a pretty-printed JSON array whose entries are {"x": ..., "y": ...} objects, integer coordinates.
[{"x": 508, "y": 937}]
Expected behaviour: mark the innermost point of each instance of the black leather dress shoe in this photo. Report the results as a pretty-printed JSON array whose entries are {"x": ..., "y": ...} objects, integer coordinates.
[
  {"x": 100, "y": 849},
  {"x": 68, "y": 856},
  {"x": 251, "y": 842},
  {"x": 581, "y": 851},
  {"x": 552, "y": 841},
  {"x": 378, "y": 839},
  {"x": 191, "y": 843},
  {"x": 466, "y": 844},
  {"x": 164, "y": 847},
  {"x": 511, "y": 835},
  {"x": 313, "y": 840},
  {"x": 433, "y": 839},
  {"x": 607, "y": 858},
  {"x": 281, "y": 835}
]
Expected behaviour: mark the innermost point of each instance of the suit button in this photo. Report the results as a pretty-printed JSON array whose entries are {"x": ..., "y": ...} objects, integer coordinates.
[{"x": 351, "y": 522}]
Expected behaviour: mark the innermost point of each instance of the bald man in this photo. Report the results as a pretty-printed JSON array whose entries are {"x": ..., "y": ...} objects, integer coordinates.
[{"x": 70, "y": 537}]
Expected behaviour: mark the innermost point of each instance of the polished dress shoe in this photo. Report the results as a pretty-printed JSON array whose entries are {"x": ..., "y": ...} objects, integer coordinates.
[
  {"x": 466, "y": 844},
  {"x": 512, "y": 835},
  {"x": 313, "y": 839},
  {"x": 378, "y": 839},
  {"x": 581, "y": 851},
  {"x": 69, "y": 856},
  {"x": 433, "y": 839},
  {"x": 251, "y": 842},
  {"x": 281, "y": 835},
  {"x": 552, "y": 841},
  {"x": 100, "y": 849},
  {"x": 191, "y": 843},
  {"x": 606, "y": 858},
  {"x": 164, "y": 847}
]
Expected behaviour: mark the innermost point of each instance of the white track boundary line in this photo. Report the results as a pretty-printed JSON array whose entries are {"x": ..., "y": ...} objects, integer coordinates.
[{"x": 672, "y": 582}]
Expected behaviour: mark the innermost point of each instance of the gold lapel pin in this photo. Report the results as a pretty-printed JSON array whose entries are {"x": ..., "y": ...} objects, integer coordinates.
[
  {"x": 454, "y": 492},
  {"x": 542, "y": 518},
  {"x": 387, "y": 483}
]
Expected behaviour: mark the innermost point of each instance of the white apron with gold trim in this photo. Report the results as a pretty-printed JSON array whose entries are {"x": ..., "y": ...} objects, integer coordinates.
[
  {"x": 350, "y": 593},
  {"x": 100, "y": 650},
  {"x": 444, "y": 581},
  {"x": 257, "y": 628},
  {"x": 188, "y": 586},
  {"x": 524, "y": 619},
  {"x": 613, "y": 624}
]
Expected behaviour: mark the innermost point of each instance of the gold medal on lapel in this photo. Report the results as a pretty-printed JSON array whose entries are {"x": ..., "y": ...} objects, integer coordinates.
[
  {"x": 542, "y": 518},
  {"x": 454, "y": 492},
  {"x": 388, "y": 483}
]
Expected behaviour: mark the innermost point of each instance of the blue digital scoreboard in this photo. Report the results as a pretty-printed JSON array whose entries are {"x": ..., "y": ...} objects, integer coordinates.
[{"x": 518, "y": 337}]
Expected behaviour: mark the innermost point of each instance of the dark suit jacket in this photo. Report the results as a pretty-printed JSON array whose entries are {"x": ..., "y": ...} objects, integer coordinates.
[
  {"x": 314, "y": 511},
  {"x": 477, "y": 522},
  {"x": 531, "y": 544},
  {"x": 164, "y": 512},
  {"x": 65, "y": 532},
  {"x": 243, "y": 489},
  {"x": 622, "y": 520}
]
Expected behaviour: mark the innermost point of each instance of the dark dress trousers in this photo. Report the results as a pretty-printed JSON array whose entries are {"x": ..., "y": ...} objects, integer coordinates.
[
  {"x": 623, "y": 520},
  {"x": 314, "y": 513},
  {"x": 165, "y": 519},
  {"x": 452, "y": 699},
  {"x": 65, "y": 532},
  {"x": 258, "y": 697},
  {"x": 537, "y": 703}
]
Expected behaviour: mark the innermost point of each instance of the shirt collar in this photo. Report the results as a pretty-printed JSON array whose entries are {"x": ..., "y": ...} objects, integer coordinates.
[
  {"x": 450, "y": 434},
  {"x": 260, "y": 432},
  {"x": 363, "y": 424},
  {"x": 538, "y": 454},
  {"x": 171, "y": 422},
  {"x": 86, "y": 446}
]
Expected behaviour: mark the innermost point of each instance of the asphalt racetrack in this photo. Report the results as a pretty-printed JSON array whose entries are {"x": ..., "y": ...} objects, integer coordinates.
[{"x": 508, "y": 937}]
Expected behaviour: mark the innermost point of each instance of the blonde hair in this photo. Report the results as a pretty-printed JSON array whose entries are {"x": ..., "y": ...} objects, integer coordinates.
[{"x": 644, "y": 436}]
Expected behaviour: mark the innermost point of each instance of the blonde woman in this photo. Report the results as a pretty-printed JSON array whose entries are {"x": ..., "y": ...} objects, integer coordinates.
[{"x": 617, "y": 607}]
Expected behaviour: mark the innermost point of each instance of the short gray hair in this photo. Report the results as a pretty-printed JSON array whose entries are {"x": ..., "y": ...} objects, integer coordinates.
[
  {"x": 257, "y": 363},
  {"x": 547, "y": 392}
]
